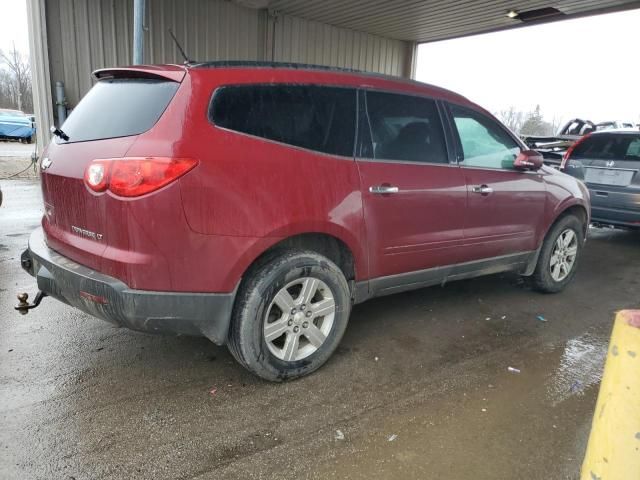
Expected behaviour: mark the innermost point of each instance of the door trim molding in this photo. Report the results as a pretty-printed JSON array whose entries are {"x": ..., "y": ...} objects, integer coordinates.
[{"x": 402, "y": 282}]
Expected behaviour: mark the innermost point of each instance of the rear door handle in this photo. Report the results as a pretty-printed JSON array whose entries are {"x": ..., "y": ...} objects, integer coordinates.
[
  {"x": 383, "y": 189},
  {"x": 482, "y": 190}
]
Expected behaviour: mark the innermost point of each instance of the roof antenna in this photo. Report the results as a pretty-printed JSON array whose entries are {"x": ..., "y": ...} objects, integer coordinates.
[{"x": 184, "y": 55}]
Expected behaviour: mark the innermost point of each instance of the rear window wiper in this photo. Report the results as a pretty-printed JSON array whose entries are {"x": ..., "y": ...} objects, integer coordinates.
[{"x": 59, "y": 133}]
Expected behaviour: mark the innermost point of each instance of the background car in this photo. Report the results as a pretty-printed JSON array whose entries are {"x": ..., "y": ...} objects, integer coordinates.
[
  {"x": 608, "y": 162},
  {"x": 16, "y": 125},
  {"x": 614, "y": 125},
  {"x": 554, "y": 147}
]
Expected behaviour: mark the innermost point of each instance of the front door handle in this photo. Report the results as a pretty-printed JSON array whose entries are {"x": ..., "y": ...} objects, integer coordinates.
[
  {"x": 383, "y": 189},
  {"x": 482, "y": 190}
]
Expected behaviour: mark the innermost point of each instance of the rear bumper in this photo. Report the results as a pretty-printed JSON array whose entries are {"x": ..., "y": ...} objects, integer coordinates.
[
  {"x": 618, "y": 206},
  {"x": 615, "y": 216},
  {"x": 104, "y": 297}
]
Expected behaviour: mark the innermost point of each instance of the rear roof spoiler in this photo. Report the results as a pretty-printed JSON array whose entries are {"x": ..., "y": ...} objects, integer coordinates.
[{"x": 174, "y": 73}]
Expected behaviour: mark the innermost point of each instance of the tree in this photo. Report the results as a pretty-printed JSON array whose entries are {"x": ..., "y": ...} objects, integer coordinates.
[
  {"x": 512, "y": 118},
  {"x": 535, "y": 124},
  {"x": 15, "y": 81}
]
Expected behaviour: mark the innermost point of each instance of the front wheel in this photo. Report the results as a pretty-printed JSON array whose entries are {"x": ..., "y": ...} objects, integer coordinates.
[
  {"x": 559, "y": 256},
  {"x": 289, "y": 316}
]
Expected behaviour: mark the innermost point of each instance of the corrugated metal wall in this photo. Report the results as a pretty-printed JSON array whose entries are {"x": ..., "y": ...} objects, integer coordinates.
[
  {"x": 84, "y": 35},
  {"x": 88, "y": 34},
  {"x": 299, "y": 40}
]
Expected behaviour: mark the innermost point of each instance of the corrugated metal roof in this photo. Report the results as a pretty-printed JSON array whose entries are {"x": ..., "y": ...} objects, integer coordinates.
[{"x": 432, "y": 20}]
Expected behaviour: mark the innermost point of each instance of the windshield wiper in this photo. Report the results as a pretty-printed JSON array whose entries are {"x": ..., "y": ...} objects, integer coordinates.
[{"x": 59, "y": 133}]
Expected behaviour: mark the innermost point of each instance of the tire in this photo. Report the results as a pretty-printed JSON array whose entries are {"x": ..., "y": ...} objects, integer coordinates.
[
  {"x": 259, "y": 317},
  {"x": 548, "y": 278}
]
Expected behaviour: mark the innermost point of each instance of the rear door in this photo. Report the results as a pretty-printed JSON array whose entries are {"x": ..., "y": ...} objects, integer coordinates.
[
  {"x": 414, "y": 198},
  {"x": 506, "y": 207},
  {"x": 105, "y": 124}
]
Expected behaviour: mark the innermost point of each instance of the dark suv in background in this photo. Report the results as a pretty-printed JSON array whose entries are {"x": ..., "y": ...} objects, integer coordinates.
[
  {"x": 254, "y": 204},
  {"x": 609, "y": 163}
]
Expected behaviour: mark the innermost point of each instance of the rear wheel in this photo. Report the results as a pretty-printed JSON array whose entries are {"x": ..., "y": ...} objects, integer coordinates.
[
  {"x": 290, "y": 315},
  {"x": 559, "y": 256}
]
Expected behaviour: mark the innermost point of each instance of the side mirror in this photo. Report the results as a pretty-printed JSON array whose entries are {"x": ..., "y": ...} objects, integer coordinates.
[{"x": 528, "y": 160}]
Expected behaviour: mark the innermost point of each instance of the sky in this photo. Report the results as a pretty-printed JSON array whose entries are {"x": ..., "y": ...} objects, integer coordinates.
[
  {"x": 586, "y": 68},
  {"x": 13, "y": 25}
]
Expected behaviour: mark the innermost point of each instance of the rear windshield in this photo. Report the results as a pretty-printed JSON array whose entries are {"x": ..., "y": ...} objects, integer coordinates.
[
  {"x": 609, "y": 147},
  {"x": 119, "y": 108}
]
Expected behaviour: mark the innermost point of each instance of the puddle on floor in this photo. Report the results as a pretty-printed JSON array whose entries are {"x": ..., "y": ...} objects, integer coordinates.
[{"x": 581, "y": 365}]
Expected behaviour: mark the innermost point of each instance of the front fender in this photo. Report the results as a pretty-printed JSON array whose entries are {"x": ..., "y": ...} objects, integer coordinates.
[{"x": 565, "y": 192}]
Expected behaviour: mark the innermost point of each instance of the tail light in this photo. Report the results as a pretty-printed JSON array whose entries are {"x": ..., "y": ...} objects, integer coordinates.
[
  {"x": 135, "y": 176},
  {"x": 567, "y": 154}
]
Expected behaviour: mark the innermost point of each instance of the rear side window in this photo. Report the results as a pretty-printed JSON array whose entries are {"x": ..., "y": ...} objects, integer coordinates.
[
  {"x": 404, "y": 127},
  {"x": 119, "y": 108},
  {"x": 608, "y": 147},
  {"x": 313, "y": 117}
]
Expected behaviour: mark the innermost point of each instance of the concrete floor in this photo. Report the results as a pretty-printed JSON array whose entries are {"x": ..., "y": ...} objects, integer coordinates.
[
  {"x": 15, "y": 149},
  {"x": 81, "y": 399}
]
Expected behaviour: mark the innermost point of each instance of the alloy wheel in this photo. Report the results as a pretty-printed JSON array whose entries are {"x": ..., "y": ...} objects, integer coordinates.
[
  {"x": 299, "y": 319},
  {"x": 563, "y": 256}
]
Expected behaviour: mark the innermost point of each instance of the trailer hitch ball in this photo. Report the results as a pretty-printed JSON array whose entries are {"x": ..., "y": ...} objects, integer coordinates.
[{"x": 23, "y": 302}]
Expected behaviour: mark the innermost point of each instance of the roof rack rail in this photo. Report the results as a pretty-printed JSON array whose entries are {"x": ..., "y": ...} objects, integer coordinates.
[{"x": 264, "y": 64}]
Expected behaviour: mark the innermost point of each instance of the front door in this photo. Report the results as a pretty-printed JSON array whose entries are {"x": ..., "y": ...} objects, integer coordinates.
[
  {"x": 414, "y": 198},
  {"x": 505, "y": 207}
]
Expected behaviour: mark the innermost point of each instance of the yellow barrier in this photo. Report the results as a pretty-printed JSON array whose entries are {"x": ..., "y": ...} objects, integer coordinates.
[{"x": 613, "y": 452}]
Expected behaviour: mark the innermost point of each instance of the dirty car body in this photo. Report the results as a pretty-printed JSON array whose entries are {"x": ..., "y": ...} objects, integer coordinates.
[{"x": 255, "y": 203}]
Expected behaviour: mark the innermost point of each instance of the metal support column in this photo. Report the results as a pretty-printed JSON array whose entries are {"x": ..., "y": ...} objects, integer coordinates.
[{"x": 138, "y": 32}]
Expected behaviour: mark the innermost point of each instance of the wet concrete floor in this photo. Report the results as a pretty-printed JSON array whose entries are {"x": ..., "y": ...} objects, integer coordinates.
[{"x": 418, "y": 389}]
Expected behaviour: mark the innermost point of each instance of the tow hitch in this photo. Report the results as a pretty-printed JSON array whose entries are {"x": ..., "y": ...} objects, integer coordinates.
[{"x": 24, "y": 306}]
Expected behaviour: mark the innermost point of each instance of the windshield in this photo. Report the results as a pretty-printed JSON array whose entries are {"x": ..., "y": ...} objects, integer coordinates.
[{"x": 119, "y": 108}]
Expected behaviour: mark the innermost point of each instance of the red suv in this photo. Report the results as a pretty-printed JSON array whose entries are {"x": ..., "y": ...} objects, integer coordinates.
[{"x": 254, "y": 204}]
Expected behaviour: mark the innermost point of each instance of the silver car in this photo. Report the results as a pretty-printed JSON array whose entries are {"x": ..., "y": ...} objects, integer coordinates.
[{"x": 609, "y": 163}]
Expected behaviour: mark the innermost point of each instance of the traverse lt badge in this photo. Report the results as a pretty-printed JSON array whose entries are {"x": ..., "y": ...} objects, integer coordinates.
[{"x": 86, "y": 233}]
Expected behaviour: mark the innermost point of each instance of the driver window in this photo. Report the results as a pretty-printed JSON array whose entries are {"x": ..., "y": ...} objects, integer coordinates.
[{"x": 484, "y": 143}]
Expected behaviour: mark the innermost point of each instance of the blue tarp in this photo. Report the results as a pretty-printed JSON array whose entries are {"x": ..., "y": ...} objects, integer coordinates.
[{"x": 15, "y": 124}]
